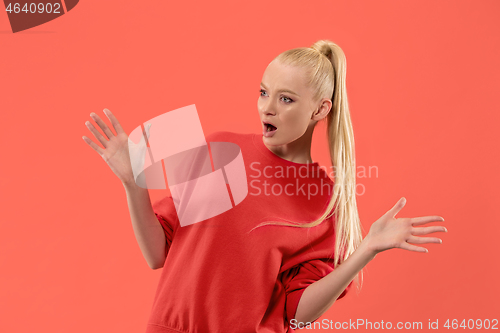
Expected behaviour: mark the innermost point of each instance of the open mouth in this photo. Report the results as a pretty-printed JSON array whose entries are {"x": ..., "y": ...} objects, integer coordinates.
[{"x": 269, "y": 127}]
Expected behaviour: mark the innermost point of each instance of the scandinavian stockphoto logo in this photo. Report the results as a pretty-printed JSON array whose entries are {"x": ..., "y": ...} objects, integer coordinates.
[
  {"x": 28, "y": 14},
  {"x": 205, "y": 180}
]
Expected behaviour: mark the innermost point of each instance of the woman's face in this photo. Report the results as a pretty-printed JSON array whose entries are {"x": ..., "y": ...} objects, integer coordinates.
[{"x": 286, "y": 102}]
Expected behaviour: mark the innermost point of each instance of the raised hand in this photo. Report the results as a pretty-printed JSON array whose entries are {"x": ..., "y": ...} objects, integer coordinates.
[
  {"x": 390, "y": 232},
  {"x": 116, "y": 147}
]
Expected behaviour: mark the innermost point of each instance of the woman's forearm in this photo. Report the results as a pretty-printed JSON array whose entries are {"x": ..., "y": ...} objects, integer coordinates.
[
  {"x": 319, "y": 296},
  {"x": 148, "y": 231}
]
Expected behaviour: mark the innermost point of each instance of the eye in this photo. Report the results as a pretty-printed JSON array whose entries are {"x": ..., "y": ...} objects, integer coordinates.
[{"x": 287, "y": 99}]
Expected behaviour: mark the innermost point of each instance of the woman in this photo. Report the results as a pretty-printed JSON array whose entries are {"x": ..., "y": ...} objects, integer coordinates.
[{"x": 246, "y": 270}]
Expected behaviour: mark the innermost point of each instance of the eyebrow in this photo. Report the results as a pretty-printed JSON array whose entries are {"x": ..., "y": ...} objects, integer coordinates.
[{"x": 282, "y": 90}]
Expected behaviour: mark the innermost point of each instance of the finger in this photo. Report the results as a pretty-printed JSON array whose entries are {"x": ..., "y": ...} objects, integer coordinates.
[
  {"x": 397, "y": 207},
  {"x": 94, "y": 146},
  {"x": 410, "y": 247},
  {"x": 102, "y": 125},
  {"x": 97, "y": 134},
  {"x": 424, "y": 240},
  {"x": 116, "y": 124},
  {"x": 425, "y": 219},
  {"x": 427, "y": 230}
]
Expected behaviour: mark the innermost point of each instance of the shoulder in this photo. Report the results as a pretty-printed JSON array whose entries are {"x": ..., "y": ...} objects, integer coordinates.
[{"x": 325, "y": 173}]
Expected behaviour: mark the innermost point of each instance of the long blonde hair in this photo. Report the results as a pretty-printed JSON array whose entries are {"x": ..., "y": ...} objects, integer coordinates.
[{"x": 325, "y": 64}]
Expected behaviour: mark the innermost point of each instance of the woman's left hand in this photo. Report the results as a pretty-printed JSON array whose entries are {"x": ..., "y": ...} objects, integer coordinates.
[{"x": 390, "y": 232}]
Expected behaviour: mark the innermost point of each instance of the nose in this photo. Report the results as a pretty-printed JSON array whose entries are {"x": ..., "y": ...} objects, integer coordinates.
[
  {"x": 269, "y": 113},
  {"x": 267, "y": 108}
]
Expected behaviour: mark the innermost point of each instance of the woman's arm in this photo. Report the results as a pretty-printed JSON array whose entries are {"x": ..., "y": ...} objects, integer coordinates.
[
  {"x": 116, "y": 153},
  {"x": 148, "y": 231},
  {"x": 386, "y": 233},
  {"x": 320, "y": 295}
]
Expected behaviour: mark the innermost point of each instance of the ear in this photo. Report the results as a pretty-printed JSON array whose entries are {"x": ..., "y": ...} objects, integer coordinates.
[{"x": 324, "y": 107}]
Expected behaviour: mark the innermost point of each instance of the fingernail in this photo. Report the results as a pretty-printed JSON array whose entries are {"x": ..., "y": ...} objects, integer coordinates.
[{"x": 445, "y": 230}]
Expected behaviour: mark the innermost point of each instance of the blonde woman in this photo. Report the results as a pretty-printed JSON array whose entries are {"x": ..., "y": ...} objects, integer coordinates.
[{"x": 282, "y": 257}]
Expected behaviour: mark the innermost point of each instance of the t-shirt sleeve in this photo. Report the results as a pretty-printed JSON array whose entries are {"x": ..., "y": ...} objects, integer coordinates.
[
  {"x": 298, "y": 278},
  {"x": 166, "y": 214}
]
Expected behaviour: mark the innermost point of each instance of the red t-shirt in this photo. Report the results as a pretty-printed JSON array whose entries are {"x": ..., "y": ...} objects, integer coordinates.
[{"x": 219, "y": 277}]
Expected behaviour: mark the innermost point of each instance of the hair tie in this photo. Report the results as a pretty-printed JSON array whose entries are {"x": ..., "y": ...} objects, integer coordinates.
[{"x": 315, "y": 49}]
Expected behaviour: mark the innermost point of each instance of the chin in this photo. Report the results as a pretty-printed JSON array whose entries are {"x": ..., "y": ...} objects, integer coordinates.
[{"x": 272, "y": 141}]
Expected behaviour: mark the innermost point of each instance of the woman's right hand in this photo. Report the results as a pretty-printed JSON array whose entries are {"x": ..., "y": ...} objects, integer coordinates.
[{"x": 116, "y": 147}]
